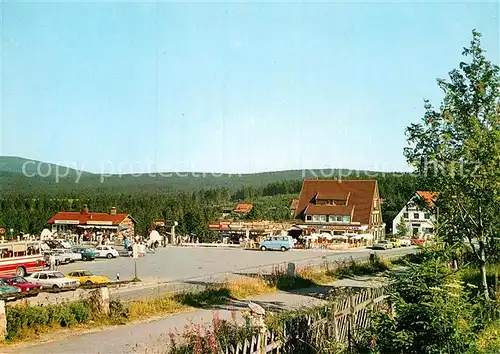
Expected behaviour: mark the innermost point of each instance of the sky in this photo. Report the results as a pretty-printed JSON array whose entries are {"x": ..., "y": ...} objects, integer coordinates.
[{"x": 123, "y": 87}]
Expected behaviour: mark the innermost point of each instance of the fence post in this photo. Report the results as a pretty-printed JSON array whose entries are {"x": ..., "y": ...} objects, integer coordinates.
[
  {"x": 3, "y": 321},
  {"x": 334, "y": 319},
  {"x": 351, "y": 319}
]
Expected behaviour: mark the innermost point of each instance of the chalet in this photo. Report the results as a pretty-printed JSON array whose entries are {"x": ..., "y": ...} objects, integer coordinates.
[
  {"x": 113, "y": 222},
  {"x": 348, "y": 206},
  {"x": 243, "y": 208},
  {"x": 418, "y": 214}
]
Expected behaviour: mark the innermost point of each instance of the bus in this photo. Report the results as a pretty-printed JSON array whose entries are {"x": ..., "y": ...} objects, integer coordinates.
[{"x": 21, "y": 258}]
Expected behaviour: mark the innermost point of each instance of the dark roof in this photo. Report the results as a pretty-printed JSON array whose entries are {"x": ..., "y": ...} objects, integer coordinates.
[{"x": 360, "y": 192}]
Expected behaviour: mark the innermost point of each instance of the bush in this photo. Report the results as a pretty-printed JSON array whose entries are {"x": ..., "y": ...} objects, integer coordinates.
[
  {"x": 23, "y": 318},
  {"x": 434, "y": 313}
]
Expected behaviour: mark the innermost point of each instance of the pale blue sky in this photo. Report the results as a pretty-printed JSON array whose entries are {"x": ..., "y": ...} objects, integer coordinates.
[{"x": 226, "y": 87}]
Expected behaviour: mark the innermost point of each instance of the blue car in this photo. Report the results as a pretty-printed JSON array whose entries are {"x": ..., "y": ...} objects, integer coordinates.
[{"x": 282, "y": 243}]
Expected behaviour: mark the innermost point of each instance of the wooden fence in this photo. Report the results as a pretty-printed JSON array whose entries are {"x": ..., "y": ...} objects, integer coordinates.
[{"x": 302, "y": 334}]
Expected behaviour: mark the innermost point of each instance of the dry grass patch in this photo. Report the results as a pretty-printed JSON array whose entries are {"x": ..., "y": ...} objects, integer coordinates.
[
  {"x": 243, "y": 287},
  {"x": 155, "y": 306}
]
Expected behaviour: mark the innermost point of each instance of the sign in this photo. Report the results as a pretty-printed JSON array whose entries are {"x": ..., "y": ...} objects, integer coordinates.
[
  {"x": 135, "y": 251},
  {"x": 94, "y": 222},
  {"x": 67, "y": 222},
  {"x": 2, "y": 230}
]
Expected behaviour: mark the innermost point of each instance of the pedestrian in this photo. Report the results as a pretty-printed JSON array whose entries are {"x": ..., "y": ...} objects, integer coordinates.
[{"x": 52, "y": 262}]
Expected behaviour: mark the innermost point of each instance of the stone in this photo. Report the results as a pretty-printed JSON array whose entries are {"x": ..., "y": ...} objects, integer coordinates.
[{"x": 291, "y": 270}]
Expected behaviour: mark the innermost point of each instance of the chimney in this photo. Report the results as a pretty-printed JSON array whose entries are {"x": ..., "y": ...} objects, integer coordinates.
[
  {"x": 113, "y": 211},
  {"x": 85, "y": 209}
]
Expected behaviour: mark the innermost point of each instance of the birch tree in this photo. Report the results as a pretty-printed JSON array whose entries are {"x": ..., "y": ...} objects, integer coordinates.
[{"x": 456, "y": 148}]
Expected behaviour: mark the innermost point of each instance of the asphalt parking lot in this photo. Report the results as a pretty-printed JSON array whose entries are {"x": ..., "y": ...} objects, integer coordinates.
[{"x": 184, "y": 263}]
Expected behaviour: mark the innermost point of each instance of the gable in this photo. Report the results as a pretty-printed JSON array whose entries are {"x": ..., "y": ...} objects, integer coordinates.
[{"x": 360, "y": 195}]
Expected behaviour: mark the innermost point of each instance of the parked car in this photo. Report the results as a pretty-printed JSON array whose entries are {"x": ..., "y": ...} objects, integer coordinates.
[
  {"x": 283, "y": 243},
  {"x": 106, "y": 252},
  {"x": 61, "y": 257},
  {"x": 384, "y": 245},
  {"x": 74, "y": 256},
  {"x": 86, "y": 277},
  {"x": 6, "y": 289},
  {"x": 49, "y": 279},
  {"x": 22, "y": 284},
  {"x": 406, "y": 242},
  {"x": 88, "y": 253},
  {"x": 396, "y": 243},
  {"x": 417, "y": 241}
]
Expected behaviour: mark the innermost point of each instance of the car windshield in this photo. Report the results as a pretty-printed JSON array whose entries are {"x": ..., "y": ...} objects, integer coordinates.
[
  {"x": 56, "y": 275},
  {"x": 18, "y": 280}
]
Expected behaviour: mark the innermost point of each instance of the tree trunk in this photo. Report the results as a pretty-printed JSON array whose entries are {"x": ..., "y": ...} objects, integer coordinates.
[{"x": 482, "y": 264}]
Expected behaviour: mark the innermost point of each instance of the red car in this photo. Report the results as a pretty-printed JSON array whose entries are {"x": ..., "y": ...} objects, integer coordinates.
[{"x": 22, "y": 284}]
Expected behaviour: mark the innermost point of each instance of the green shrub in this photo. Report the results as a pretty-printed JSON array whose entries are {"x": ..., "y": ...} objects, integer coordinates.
[{"x": 25, "y": 318}]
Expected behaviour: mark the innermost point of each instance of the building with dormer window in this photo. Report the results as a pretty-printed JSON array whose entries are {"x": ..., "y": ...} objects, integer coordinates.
[
  {"x": 345, "y": 207},
  {"x": 418, "y": 214}
]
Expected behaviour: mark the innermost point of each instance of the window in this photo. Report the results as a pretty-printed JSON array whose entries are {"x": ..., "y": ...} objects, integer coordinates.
[
  {"x": 43, "y": 276},
  {"x": 346, "y": 219},
  {"x": 375, "y": 203},
  {"x": 427, "y": 216},
  {"x": 416, "y": 215},
  {"x": 308, "y": 217},
  {"x": 339, "y": 218},
  {"x": 316, "y": 218},
  {"x": 405, "y": 215},
  {"x": 322, "y": 218}
]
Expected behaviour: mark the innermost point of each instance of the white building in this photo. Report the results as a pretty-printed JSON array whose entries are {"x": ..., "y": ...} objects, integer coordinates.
[{"x": 420, "y": 220}]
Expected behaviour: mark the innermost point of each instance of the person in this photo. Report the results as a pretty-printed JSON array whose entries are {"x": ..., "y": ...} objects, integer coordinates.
[{"x": 52, "y": 261}]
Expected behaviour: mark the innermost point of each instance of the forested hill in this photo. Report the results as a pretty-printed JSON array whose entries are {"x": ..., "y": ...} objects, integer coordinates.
[{"x": 23, "y": 175}]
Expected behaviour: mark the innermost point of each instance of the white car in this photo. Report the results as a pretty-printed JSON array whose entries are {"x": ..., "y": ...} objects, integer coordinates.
[
  {"x": 106, "y": 252},
  {"x": 405, "y": 242},
  {"x": 49, "y": 279},
  {"x": 73, "y": 255}
]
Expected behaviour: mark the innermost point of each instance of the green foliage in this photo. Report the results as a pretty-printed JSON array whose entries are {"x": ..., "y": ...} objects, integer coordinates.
[
  {"x": 456, "y": 150},
  {"x": 402, "y": 228},
  {"x": 26, "y": 317},
  {"x": 433, "y": 313}
]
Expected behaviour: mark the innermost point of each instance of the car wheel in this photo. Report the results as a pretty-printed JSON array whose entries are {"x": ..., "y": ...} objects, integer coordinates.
[
  {"x": 20, "y": 271},
  {"x": 88, "y": 282},
  {"x": 283, "y": 248},
  {"x": 84, "y": 258},
  {"x": 57, "y": 263},
  {"x": 109, "y": 256},
  {"x": 263, "y": 248},
  {"x": 55, "y": 288}
]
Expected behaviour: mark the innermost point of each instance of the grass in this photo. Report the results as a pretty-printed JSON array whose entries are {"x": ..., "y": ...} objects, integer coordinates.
[
  {"x": 489, "y": 339},
  {"x": 327, "y": 273}
]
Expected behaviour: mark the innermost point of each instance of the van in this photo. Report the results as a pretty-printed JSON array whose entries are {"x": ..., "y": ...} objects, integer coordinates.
[{"x": 283, "y": 243}]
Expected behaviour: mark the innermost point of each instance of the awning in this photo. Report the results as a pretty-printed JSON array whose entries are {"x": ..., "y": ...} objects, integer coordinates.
[{"x": 97, "y": 227}]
